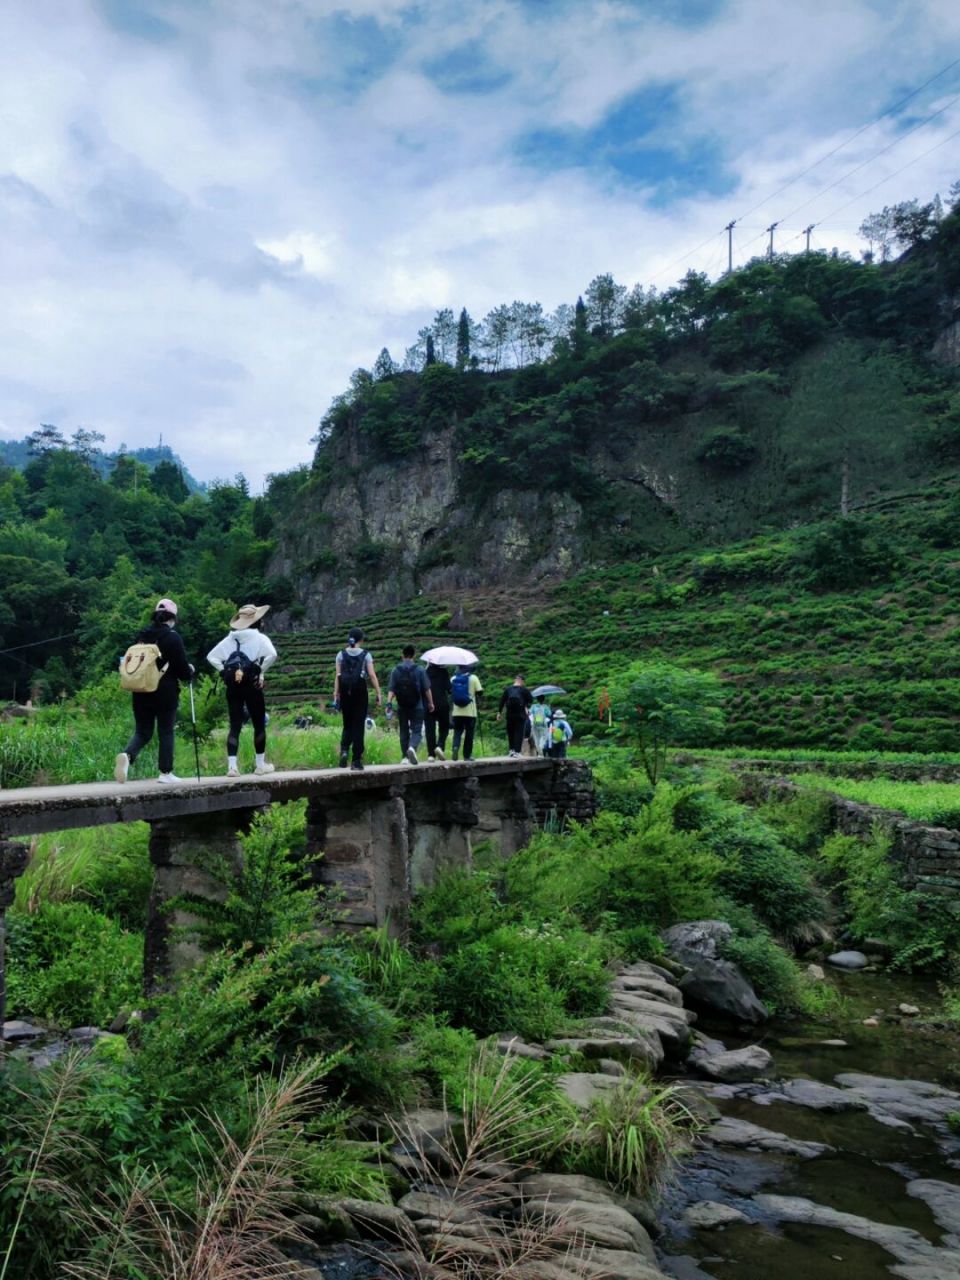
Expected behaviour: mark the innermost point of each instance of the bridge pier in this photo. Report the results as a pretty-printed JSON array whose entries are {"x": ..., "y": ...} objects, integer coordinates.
[
  {"x": 195, "y": 854},
  {"x": 13, "y": 860}
]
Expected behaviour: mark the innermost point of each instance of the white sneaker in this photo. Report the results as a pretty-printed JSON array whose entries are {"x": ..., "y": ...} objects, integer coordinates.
[
  {"x": 122, "y": 767},
  {"x": 412, "y": 755},
  {"x": 264, "y": 768},
  {"x": 514, "y": 754},
  {"x": 170, "y": 777},
  {"x": 233, "y": 772},
  {"x": 438, "y": 754}
]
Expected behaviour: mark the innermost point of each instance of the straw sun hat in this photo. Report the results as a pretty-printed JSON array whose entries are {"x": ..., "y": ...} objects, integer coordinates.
[{"x": 247, "y": 615}]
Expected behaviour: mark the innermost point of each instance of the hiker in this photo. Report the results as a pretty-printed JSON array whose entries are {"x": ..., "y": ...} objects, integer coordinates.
[
  {"x": 465, "y": 688},
  {"x": 350, "y": 694},
  {"x": 560, "y": 735},
  {"x": 515, "y": 699},
  {"x": 438, "y": 720},
  {"x": 243, "y": 658},
  {"x": 409, "y": 688},
  {"x": 155, "y": 700},
  {"x": 540, "y": 714}
]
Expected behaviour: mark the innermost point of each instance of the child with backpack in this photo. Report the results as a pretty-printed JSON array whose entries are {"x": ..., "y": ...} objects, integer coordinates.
[
  {"x": 243, "y": 657},
  {"x": 409, "y": 688},
  {"x": 151, "y": 670},
  {"x": 540, "y": 714},
  {"x": 355, "y": 670},
  {"x": 560, "y": 735},
  {"x": 465, "y": 688}
]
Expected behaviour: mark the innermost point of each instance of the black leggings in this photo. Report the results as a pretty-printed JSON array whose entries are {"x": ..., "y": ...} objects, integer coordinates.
[
  {"x": 146, "y": 714},
  {"x": 354, "y": 706},
  {"x": 251, "y": 697},
  {"x": 438, "y": 726},
  {"x": 465, "y": 727}
]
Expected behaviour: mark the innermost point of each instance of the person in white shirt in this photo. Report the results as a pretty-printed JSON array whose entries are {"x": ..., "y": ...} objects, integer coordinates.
[{"x": 243, "y": 657}]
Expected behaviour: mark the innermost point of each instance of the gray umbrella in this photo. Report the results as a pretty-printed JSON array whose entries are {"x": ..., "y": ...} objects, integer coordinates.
[{"x": 546, "y": 690}]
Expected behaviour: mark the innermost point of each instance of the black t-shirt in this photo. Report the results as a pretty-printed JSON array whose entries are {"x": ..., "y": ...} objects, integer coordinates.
[
  {"x": 439, "y": 678},
  {"x": 516, "y": 698}
]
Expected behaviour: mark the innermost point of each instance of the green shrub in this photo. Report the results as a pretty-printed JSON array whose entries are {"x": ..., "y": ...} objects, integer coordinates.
[
  {"x": 71, "y": 964},
  {"x": 772, "y": 973}
]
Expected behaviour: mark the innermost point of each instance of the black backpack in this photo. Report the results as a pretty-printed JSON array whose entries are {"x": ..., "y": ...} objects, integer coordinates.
[
  {"x": 238, "y": 668},
  {"x": 406, "y": 687},
  {"x": 353, "y": 671},
  {"x": 516, "y": 702}
]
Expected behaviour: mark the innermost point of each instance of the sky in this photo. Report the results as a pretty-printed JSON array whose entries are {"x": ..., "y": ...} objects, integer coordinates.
[{"x": 213, "y": 211}]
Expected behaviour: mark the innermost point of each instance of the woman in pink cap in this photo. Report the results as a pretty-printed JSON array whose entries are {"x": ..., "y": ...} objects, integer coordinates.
[{"x": 160, "y": 707}]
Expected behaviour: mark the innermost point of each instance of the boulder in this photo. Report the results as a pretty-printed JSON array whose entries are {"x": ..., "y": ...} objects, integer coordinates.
[
  {"x": 636, "y": 1002},
  {"x": 749, "y": 1063},
  {"x": 815, "y": 972},
  {"x": 821, "y": 1097},
  {"x": 517, "y": 1048},
  {"x": 20, "y": 1030},
  {"x": 602, "y": 1264},
  {"x": 622, "y": 1047},
  {"x": 709, "y": 1214},
  {"x": 728, "y": 1132},
  {"x": 908, "y": 1010},
  {"x": 712, "y": 982},
  {"x": 943, "y": 1199},
  {"x": 582, "y": 1088},
  {"x": 610, "y": 1067},
  {"x": 650, "y": 988},
  {"x": 848, "y": 960},
  {"x": 606, "y": 1225},
  {"x": 382, "y": 1221},
  {"x": 423, "y": 1204}
]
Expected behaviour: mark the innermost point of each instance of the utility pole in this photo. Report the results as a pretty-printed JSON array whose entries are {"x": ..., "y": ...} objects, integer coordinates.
[
  {"x": 806, "y": 232},
  {"x": 729, "y": 230},
  {"x": 772, "y": 227}
]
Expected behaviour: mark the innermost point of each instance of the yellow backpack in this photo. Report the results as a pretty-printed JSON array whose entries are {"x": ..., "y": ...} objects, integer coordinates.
[{"x": 140, "y": 668}]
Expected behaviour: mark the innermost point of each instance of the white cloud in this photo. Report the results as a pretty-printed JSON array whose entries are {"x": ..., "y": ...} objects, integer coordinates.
[{"x": 211, "y": 228}]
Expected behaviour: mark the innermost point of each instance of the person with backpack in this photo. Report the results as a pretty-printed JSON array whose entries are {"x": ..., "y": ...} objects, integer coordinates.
[
  {"x": 515, "y": 700},
  {"x": 355, "y": 670},
  {"x": 243, "y": 658},
  {"x": 540, "y": 714},
  {"x": 409, "y": 688},
  {"x": 465, "y": 688},
  {"x": 438, "y": 720},
  {"x": 152, "y": 669},
  {"x": 560, "y": 735}
]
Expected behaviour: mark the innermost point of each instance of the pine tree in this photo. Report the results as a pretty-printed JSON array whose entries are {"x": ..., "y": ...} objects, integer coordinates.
[
  {"x": 578, "y": 335},
  {"x": 431, "y": 357},
  {"x": 463, "y": 340}
]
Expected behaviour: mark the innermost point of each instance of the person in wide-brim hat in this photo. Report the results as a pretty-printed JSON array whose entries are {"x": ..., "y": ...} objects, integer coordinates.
[
  {"x": 248, "y": 615},
  {"x": 243, "y": 657}
]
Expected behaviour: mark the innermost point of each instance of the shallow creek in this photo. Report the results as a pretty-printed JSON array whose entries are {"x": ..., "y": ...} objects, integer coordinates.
[{"x": 864, "y": 1172}]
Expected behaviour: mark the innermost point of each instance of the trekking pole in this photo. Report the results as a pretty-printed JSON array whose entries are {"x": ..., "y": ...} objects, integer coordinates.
[{"x": 193, "y": 721}]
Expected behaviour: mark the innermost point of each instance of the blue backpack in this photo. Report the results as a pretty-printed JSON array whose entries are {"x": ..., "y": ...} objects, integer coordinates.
[{"x": 460, "y": 688}]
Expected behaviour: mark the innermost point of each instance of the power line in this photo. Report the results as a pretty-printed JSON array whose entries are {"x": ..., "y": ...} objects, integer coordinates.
[
  {"x": 853, "y": 137},
  {"x": 34, "y": 643},
  {"x": 663, "y": 271}
]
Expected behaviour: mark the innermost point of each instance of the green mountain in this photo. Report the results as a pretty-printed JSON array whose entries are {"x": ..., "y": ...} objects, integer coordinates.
[
  {"x": 17, "y": 454},
  {"x": 784, "y": 392}
]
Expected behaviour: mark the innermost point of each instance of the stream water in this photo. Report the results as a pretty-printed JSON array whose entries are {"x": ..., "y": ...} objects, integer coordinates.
[{"x": 866, "y": 1171}]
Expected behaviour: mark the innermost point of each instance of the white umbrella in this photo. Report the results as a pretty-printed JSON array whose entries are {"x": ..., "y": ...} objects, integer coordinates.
[
  {"x": 450, "y": 655},
  {"x": 546, "y": 690}
]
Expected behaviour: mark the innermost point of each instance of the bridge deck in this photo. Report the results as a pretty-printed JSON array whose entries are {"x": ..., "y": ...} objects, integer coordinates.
[{"x": 30, "y": 811}]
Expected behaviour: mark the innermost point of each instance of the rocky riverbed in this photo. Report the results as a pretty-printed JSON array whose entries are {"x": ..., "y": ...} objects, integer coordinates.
[{"x": 838, "y": 1157}]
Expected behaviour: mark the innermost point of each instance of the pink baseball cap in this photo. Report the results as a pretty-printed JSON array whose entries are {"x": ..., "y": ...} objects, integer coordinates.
[{"x": 169, "y": 605}]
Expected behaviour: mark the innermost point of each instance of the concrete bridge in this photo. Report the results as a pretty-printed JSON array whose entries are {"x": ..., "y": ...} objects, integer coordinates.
[{"x": 373, "y": 837}]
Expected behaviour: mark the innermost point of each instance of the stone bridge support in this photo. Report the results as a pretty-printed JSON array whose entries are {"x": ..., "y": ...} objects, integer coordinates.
[{"x": 374, "y": 838}]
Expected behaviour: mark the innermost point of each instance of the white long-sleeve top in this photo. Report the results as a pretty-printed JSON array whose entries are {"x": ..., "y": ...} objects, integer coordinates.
[{"x": 257, "y": 647}]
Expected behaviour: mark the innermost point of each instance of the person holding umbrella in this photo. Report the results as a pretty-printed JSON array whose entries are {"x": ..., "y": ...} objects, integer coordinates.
[
  {"x": 541, "y": 714},
  {"x": 437, "y": 721}
]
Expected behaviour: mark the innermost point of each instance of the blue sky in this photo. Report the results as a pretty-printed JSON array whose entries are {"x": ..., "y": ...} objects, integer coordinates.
[{"x": 212, "y": 211}]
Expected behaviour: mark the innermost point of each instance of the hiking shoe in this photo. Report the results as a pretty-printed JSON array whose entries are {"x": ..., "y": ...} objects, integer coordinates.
[
  {"x": 233, "y": 772},
  {"x": 122, "y": 767},
  {"x": 438, "y": 754},
  {"x": 344, "y": 759},
  {"x": 264, "y": 768},
  {"x": 170, "y": 777},
  {"x": 412, "y": 755},
  {"x": 357, "y": 764}
]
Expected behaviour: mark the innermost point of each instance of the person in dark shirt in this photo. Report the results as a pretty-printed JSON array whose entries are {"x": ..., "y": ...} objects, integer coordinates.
[
  {"x": 160, "y": 707},
  {"x": 515, "y": 700},
  {"x": 438, "y": 720},
  {"x": 409, "y": 688}
]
